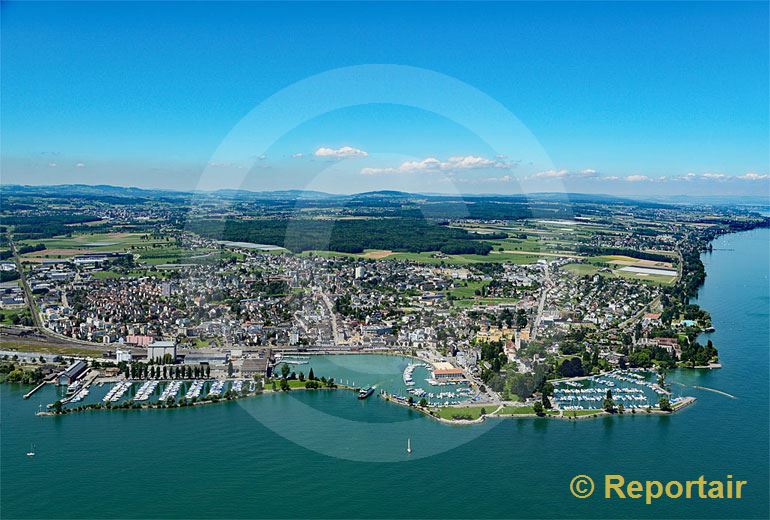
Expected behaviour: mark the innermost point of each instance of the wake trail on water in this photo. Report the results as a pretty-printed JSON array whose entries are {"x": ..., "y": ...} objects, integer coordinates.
[{"x": 715, "y": 391}]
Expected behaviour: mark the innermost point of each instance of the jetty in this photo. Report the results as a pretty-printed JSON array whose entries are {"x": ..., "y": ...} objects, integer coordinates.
[{"x": 38, "y": 387}]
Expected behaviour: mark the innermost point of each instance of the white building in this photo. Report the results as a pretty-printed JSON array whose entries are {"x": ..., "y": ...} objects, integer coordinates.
[{"x": 157, "y": 350}]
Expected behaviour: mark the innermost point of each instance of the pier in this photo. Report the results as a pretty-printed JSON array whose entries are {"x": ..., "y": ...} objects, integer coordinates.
[{"x": 38, "y": 387}]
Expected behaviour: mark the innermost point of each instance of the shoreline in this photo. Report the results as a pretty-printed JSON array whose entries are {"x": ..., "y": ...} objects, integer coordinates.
[
  {"x": 428, "y": 412},
  {"x": 686, "y": 402}
]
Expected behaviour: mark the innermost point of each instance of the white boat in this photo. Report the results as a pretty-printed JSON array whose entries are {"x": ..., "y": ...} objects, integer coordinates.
[{"x": 409, "y": 445}]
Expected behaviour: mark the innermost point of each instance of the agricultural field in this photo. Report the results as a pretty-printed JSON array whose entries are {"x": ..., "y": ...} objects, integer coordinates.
[
  {"x": 600, "y": 266},
  {"x": 81, "y": 243},
  {"x": 131, "y": 273},
  {"x": 434, "y": 257}
]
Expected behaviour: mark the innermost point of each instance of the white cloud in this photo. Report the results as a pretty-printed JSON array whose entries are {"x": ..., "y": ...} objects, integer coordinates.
[
  {"x": 503, "y": 178},
  {"x": 80, "y": 165},
  {"x": 52, "y": 165},
  {"x": 297, "y": 155},
  {"x": 431, "y": 164},
  {"x": 721, "y": 177},
  {"x": 751, "y": 176},
  {"x": 585, "y": 173},
  {"x": 637, "y": 178},
  {"x": 551, "y": 174},
  {"x": 340, "y": 153}
]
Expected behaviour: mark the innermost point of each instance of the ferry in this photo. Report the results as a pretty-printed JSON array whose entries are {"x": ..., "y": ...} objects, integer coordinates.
[{"x": 363, "y": 393}]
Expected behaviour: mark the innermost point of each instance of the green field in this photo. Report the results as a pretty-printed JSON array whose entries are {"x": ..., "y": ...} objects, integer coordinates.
[
  {"x": 517, "y": 410},
  {"x": 133, "y": 273},
  {"x": 6, "y": 315},
  {"x": 582, "y": 269},
  {"x": 467, "y": 291},
  {"x": 483, "y": 301},
  {"x": 493, "y": 257},
  {"x": 579, "y": 413},
  {"x": 95, "y": 242},
  {"x": 594, "y": 268},
  {"x": 432, "y": 257},
  {"x": 474, "y": 412}
]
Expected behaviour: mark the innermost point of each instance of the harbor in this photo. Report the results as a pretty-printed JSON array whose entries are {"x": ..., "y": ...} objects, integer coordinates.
[
  {"x": 633, "y": 388},
  {"x": 400, "y": 377}
]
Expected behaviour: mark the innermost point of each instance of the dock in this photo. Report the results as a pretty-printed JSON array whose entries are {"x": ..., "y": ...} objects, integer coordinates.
[{"x": 38, "y": 387}]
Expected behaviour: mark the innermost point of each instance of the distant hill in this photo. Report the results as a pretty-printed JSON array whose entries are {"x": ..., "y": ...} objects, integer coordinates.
[{"x": 387, "y": 196}]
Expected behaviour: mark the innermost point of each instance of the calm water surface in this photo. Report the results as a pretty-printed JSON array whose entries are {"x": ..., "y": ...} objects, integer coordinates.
[{"x": 326, "y": 454}]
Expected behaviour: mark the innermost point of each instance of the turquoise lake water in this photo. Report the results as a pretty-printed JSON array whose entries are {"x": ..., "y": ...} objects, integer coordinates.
[{"x": 327, "y": 454}]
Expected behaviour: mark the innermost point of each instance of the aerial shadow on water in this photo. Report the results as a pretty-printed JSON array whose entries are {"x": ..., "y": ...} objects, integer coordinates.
[{"x": 369, "y": 438}]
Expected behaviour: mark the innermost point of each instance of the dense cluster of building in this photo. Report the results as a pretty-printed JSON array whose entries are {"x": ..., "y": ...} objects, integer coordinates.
[{"x": 215, "y": 311}]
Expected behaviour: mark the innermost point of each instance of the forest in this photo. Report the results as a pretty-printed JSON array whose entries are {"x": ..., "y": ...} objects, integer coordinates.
[{"x": 348, "y": 236}]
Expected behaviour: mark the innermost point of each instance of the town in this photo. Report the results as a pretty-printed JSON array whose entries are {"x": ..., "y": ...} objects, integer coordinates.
[{"x": 602, "y": 292}]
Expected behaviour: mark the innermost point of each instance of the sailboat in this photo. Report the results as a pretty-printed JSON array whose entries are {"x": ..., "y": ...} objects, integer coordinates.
[
  {"x": 31, "y": 452},
  {"x": 409, "y": 445}
]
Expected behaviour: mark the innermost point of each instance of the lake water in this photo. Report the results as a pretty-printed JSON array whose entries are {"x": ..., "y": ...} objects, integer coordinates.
[{"x": 327, "y": 454}]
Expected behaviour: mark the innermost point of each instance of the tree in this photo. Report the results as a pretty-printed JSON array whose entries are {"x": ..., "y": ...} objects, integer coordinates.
[
  {"x": 285, "y": 385},
  {"x": 423, "y": 402},
  {"x": 538, "y": 408},
  {"x": 410, "y": 400},
  {"x": 311, "y": 375},
  {"x": 609, "y": 404},
  {"x": 572, "y": 367},
  {"x": 483, "y": 411},
  {"x": 56, "y": 406},
  {"x": 285, "y": 370},
  {"x": 665, "y": 404},
  {"x": 301, "y": 376}
]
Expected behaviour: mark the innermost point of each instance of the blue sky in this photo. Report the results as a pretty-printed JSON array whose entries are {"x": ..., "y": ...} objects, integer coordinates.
[{"x": 615, "y": 97}]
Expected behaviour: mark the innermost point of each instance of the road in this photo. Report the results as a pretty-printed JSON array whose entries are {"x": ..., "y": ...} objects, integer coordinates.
[{"x": 332, "y": 314}]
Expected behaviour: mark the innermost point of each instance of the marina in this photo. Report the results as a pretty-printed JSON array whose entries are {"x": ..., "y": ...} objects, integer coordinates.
[
  {"x": 171, "y": 390},
  {"x": 117, "y": 391},
  {"x": 216, "y": 389},
  {"x": 631, "y": 388},
  {"x": 195, "y": 390},
  {"x": 399, "y": 377},
  {"x": 144, "y": 392}
]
